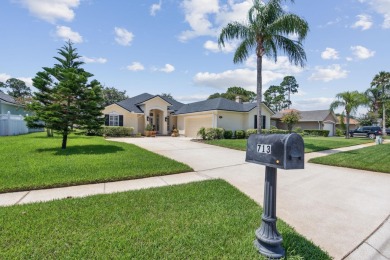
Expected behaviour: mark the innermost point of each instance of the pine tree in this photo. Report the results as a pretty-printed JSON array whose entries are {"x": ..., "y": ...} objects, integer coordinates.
[{"x": 64, "y": 98}]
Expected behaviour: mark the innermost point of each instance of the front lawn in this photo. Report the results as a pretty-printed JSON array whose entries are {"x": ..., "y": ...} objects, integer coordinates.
[
  {"x": 373, "y": 158},
  {"x": 205, "y": 220},
  {"x": 34, "y": 161},
  {"x": 312, "y": 144}
]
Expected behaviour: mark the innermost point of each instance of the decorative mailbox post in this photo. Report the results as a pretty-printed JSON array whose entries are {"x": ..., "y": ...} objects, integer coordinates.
[{"x": 274, "y": 151}]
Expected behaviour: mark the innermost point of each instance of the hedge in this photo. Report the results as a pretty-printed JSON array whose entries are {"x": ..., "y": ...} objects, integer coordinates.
[
  {"x": 211, "y": 133},
  {"x": 315, "y": 132},
  {"x": 117, "y": 131}
]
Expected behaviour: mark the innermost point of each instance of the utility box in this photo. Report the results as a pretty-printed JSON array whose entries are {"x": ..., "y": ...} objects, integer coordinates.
[{"x": 276, "y": 150}]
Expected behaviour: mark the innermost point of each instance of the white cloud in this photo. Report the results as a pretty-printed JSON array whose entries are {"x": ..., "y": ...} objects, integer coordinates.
[
  {"x": 168, "y": 68},
  {"x": 191, "y": 98},
  {"x": 364, "y": 22},
  {"x": 123, "y": 36},
  {"x": 51, "y": 10},
  {"x": 207, "y": 17},
  {"x": 361, "y": 52},
  {"x": 310, "y": 103},
  {"x": 93, "y": 60},
  {"x": 328, "y": 73},
  {"x": 245, "y": 78},
  {"x": 282, "y": 65},
  {"x": 330, "y": 54},
  {"x": 66, "y": 34},
  {"x": 4, "y": 77},
  {"x": 213, "y": 46},
  {"x": 154, "y": 8},
  {"x": 135, "y": 66},
  {"x": 381, "y": 7}
]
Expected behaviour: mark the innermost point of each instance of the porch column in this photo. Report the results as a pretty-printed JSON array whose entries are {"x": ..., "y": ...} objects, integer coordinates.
[{"x": 164, "y": 123}]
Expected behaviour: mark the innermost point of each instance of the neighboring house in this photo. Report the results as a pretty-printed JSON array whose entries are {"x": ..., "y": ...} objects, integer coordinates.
[
  {"x": 166, "y": 114},
  {"x": 353, "y": 123},
  {"x": 12, "y": 117},
  {"x": 316, "y": 119}
]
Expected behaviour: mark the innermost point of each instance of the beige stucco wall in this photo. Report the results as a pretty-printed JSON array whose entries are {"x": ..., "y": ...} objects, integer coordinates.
[
  {"x": 129, "y": 119},
  {"x": 232, "y": 120},
  {"x": 160, "y": 104},
  {"x": 250, "y": 119}
]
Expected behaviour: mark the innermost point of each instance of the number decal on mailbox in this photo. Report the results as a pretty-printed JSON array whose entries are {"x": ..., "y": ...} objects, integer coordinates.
[{"x": 264, "y": 148}]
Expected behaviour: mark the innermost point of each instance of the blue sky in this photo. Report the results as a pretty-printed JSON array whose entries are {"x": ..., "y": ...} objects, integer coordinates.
[{"x": 169, "y": 46}]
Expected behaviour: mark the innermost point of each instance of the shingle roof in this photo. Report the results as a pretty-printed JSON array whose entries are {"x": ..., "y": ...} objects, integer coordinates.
[
  {"x": 215, "y": 104},
  {"x": 314, "y": 115},
  {"x": 7, "y": 98},
  {"x": 133, "y": 104}
]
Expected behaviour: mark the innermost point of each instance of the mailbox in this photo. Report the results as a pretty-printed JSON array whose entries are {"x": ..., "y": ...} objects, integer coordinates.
[{"x": 276, "y": 150}]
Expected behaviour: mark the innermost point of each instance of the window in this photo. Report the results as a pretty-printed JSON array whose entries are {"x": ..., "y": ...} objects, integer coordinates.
[
  {"x": 114, "y": 120},
  {"x": 255, "y": 122}
]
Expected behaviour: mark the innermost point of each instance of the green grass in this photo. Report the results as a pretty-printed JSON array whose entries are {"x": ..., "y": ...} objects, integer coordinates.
[
  {"x": 205, "y": 220},
  {"x": 373, "y": 158},
  {"x": 34, "y": 161},
  {"x": 312, "y": 144}
]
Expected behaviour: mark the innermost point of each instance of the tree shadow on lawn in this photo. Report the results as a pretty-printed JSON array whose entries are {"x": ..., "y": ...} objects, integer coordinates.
[
  {"x": 83, "y": 149},
  {"x": 315, "y": 148}
]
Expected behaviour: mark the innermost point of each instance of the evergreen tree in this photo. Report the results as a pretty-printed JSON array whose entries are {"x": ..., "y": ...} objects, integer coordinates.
[
  {"x": 16, "y": 88},
  {"x": 65, "y": 98},
  {"x": 232, "y": 92},
  {"x": 274, "y": 98},
  {"x": 290, "y": 85},
  {"x": 112, "y": 95}
]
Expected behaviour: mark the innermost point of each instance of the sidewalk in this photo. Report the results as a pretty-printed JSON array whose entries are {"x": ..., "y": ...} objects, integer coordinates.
[{"x": 340, "y": 226}]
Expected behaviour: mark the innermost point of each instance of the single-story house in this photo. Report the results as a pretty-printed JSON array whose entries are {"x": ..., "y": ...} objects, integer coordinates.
[
  {"x": 165, "y": 114},
  {"x": 315, "y": 119},
  {"x": 12, "y": 117},
  {"x": 353, "y": 123}
]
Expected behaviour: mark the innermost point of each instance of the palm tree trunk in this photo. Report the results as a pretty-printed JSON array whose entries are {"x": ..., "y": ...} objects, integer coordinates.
[
  {"x": 384, "y": 113},
  {"x": 259, "y": 92},
  {"x": 347, "y": 132}
]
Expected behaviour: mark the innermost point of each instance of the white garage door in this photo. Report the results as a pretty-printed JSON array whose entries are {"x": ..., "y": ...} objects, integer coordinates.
[
  {"x": 329, "y": 126},
  {"x": 192, "y": 125}
]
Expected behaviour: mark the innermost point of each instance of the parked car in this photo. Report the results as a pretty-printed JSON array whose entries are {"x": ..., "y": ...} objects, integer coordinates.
[{"x": 366, "y": 131}]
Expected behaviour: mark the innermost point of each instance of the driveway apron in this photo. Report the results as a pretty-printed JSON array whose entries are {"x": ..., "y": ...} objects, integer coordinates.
[{"x": 337, "y": 208}]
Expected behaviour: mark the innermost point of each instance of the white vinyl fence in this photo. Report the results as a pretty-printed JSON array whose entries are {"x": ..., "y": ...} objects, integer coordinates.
[{"x": 14, "y": 125}]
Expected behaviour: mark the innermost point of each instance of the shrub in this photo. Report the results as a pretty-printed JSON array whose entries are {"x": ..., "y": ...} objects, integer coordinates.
[
  {"x": 239, "y": 134},
  {"x": 274, "y": 131},
  {"x": 316, "y": 132},
  {"x": 228, "y": 134},
  {"x": 340, "y": 132},
  {"x": 116, "y": 131},
  {"x": 297, "y": 130},
  {"x": 211, "y": 133},
  {"x": 250, "y": 131}
]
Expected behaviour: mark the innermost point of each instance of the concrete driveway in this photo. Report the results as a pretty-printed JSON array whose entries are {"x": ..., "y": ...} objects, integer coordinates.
[{"x": 336, "y": 208}]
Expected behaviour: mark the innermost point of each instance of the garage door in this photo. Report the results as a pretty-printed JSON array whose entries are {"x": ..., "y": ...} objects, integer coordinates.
[
  {"x": 192, "y": 125},
  {"x": 329, "y": 126}
]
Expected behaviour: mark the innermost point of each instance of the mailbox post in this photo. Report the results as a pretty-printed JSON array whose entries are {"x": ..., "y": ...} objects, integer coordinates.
[{"x": 274, "y": 151}]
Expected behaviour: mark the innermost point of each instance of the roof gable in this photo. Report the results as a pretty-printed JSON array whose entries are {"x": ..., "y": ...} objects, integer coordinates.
[
  {"x": 216, "y": 104},
  {"x": 133, "y": 104},
  {"x": 313, "y": 115}
]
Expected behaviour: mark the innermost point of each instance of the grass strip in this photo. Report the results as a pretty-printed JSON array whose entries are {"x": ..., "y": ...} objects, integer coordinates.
[
  {"x": 373, "y": 158},
  {"x": 205, "y": 220},
  {"x": 34, "y": 161},
  {"x": 312, "y": 144}
]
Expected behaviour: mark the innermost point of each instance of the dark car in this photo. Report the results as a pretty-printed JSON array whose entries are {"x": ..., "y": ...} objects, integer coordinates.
[{"x": 366, "y": 131}]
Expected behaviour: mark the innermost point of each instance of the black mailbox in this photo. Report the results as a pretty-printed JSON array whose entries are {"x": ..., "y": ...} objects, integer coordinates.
[{"x": 276, "y": 150}]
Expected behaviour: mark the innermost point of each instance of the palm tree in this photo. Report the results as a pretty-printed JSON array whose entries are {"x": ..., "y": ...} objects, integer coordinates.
[
  {"x": 381, "y": 81},
  {"x": 350, "y": 101},
  {"x": 373, "y": 100},
  {"x": 267, "y": 30}
]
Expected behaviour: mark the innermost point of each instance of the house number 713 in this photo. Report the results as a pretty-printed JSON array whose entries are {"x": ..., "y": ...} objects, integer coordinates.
[{"x": 264, "y": 148}]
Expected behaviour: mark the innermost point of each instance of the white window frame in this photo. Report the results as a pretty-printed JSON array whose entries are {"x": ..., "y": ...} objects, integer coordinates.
[{"x": 113, "y": 119}]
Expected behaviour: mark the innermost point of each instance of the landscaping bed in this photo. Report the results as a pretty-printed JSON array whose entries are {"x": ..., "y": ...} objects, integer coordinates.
[
  {"x": 373, "y": 158},
  {"x": 35, "y": 161},
  {"x": 204, "y": 220},
  {"x": 312, "y": 144}
]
